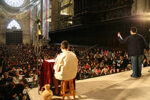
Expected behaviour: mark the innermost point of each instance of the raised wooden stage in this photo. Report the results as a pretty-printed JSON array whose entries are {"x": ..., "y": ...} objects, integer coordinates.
[{"x": 118, "y": 86}]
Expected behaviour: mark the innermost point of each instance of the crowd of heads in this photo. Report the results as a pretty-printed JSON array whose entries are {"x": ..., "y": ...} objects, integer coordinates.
[
  {"x": 22, "y": 63},
  {"x": 97, "y": 62}
]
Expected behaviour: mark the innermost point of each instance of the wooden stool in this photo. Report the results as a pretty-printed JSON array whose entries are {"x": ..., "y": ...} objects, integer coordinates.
[{"x": 64, "y": 88}]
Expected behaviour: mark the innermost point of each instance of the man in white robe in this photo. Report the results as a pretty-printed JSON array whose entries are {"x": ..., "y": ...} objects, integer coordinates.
[{"x": 66, "y": 63}]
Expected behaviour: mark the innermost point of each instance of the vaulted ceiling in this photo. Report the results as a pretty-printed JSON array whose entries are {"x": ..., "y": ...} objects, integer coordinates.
[{"x": 17, "y": 6}]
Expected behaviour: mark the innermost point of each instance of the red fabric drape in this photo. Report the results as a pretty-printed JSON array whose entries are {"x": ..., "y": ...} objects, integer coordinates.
[{"x": 47, "y": 73}]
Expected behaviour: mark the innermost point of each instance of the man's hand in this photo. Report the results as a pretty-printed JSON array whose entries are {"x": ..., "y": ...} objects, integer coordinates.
[{"x": 119, "y": 34}]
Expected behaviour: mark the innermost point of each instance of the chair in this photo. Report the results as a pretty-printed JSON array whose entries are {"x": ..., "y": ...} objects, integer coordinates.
[{"x": 67, "y": 88}]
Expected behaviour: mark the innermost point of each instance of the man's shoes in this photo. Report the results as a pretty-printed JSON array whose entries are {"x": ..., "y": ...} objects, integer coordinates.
[{"x": 135, "y": 76}]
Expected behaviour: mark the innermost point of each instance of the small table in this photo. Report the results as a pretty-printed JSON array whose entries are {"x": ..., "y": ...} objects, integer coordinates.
[{"x": 47, "y": 72}]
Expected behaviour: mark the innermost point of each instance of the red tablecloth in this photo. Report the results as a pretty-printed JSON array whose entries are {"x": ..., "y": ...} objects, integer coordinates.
[{"x": 47, "y": 72}]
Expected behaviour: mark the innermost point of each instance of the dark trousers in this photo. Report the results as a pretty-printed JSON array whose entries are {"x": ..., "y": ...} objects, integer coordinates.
[{"x": 136, "y": 62}]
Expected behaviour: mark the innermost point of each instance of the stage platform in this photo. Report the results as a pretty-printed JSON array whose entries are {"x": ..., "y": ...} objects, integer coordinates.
[{"x": 118, "y": 86}]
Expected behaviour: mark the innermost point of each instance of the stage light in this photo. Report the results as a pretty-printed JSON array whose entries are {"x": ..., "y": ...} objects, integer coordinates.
[
  {"x": 144, "y": 17},
  {"x": 146, "y": 14}
]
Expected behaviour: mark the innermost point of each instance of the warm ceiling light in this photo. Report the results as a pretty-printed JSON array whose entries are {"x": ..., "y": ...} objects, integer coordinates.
[{"x": 39, "y": 32}]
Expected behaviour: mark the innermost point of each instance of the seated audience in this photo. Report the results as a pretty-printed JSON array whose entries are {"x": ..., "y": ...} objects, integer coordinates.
[{"x": 20, "y": 62}]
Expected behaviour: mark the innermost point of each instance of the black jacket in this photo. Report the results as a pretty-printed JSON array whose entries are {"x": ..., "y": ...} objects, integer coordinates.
[{"x": 135, "y": 44}]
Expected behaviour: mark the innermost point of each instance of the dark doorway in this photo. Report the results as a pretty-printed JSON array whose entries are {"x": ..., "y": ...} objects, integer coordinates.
[{"x": 14, "y": 37}]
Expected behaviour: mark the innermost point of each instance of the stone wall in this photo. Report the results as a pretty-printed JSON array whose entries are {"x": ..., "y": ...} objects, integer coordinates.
[
  {"x": 55, "y": 15},
  {"x": 140, "y": 7},
  {"x": 22, "y": 19},
  {"x": 2, "y": 29}
]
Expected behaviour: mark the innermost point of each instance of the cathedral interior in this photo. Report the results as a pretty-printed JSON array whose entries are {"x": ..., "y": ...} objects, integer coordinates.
[
  {"x": 31, "y": 32},
  {"x": 75, "y": 20}
]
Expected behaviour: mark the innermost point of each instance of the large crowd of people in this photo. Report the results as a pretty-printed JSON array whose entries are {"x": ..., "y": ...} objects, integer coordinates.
[
  {"x": 21, "y": 65},
  {"x": 97, "y": 62}
]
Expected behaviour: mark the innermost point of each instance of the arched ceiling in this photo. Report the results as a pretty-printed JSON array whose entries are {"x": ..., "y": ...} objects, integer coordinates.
[
  {"x": 14, "y": 3},
  {"x": 23, "y": 7}
]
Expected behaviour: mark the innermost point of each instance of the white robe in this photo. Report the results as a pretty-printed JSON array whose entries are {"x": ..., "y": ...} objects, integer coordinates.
[{"x": 66, "y": 66}]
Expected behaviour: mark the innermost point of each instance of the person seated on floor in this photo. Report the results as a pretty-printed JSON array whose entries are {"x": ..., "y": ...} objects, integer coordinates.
[
  {"x": 26, "y": 74},
  {"x": 16, "y": 79},
  {"x": 20, "y": 88},
  {"x": 19, "y": 69},
  {"x": 7, "y": 91},
  {"x": 14, "y": 91},
  {"x": 6, "y": 80},
  {"x": 11, "y": 72},
  {"x": 66, "y": 64},
  {"x": 145, "y": 63}
]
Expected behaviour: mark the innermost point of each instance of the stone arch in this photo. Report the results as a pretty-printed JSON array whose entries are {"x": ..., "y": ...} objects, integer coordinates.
[{"x": 13, "y": 24}]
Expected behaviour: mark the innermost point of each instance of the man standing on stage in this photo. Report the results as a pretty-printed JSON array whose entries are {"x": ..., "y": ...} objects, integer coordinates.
[{"x": 135, "y": 45}]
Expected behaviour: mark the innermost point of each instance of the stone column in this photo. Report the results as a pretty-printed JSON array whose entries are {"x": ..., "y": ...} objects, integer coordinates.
[
  {"x": 55, "y": 15},
  {"x": 148, "y": 5},
  {"x": 141, "y": 6}
]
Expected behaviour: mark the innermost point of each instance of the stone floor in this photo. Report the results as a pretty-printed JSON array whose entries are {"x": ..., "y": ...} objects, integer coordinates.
[{"x": 118, "y": 86}]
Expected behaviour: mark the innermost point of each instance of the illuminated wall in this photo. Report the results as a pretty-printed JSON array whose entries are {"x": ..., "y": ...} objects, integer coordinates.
[
  {"x": 140, "y": 7},
  {"x": 62, "y": 13},
  {"x": 21, "y": 11}
]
